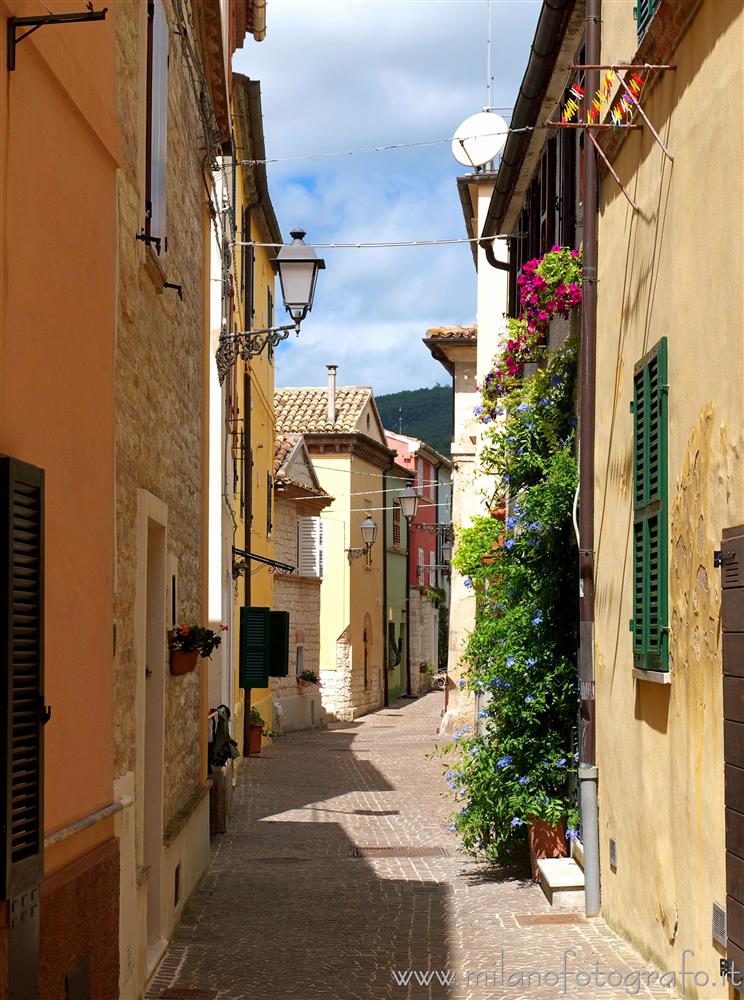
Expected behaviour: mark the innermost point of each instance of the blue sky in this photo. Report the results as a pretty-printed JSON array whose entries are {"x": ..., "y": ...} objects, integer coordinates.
[{"x": 345, "y": 74}]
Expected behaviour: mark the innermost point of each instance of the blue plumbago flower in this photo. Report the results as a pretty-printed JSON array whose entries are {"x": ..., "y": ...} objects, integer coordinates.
[
  {"x": 463, "y": 792},
  {"x": 487, "y": 419},
  {"x": 576, "y": 757},
  {"x": 467, "y": 582},
  {"x": 544, "y": 402},
  {"x": 510, "y": 439},
  {"x": 462, "y": 682},
  {"x": 498, "y": 411},
  {"x": 503, "y": 762},
  {"x": 511, "y": 523},
  {"x": 535, "y": 526},
  {"x": 523, "y": 408},
  {"x": 510, "y": 661},
  {"x": 530, "y": 661},
  {"x": 561, "y": 762},
  {"x": 529, "y": 699},
  {"x": 450, "y": 775},
  {"x": 523, "y": 780},
  {"x": 506, "y": 477},
  {"x": 477, "y": 410},
  {"x": 483, "y": 714},
  {"x": 572, "y": 834},
  {"x": 538, "y": 618},
  {"x": 530, "y": 425},
  {"x": 497, "y": 607},
  {"x": 516, "y": 821},
  {"x": 509, "y": 543},
  {"x": 474, "y": 750},
  {"x": 556, "y": 380},
  {"x": 456, "y": 735},
  {"x": 464, "y": 811}
]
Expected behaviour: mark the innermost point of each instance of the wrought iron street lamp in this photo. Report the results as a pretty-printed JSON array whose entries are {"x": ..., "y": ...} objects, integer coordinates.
[
  {"x": 298, "y": 266},
  {"x": 408, "y": 500},
  {"x": 447, "y": 550},
  {"x": 369, "y": 534}
]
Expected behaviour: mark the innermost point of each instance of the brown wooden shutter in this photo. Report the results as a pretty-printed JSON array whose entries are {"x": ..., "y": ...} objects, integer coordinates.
[
  {"x": 22, "y": 714},
  {"x": 21, "y": 698},
  {"x": 732, "y": 623}
]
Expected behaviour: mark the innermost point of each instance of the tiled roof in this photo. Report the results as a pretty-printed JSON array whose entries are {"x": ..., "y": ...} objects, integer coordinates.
[
  {"x": 283, "y": 445},
  {"x": 453, "y": 333},
  {"x": 305, "y": 410}
]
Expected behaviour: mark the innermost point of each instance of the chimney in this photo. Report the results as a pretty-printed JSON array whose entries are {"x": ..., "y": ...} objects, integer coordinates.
[{"x": 332, "y": 394}]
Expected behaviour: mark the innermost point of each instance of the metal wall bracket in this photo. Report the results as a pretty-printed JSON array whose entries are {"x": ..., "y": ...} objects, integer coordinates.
[
  {"x": 150, "y": 241},
  {"x": 247, "y": 557},
  {"x": 720, "y": 556},
  {"x": 39, "y": 21}
]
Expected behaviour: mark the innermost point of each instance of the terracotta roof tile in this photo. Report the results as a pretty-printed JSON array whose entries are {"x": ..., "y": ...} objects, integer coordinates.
[
  {"x": 453, "y": 333},
  {"x": 283, "y": 444},
  {"x": 305, "y": 410}
]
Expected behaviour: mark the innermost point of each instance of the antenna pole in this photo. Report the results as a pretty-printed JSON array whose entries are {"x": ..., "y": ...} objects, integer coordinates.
[{"x": 489, "y": 79}]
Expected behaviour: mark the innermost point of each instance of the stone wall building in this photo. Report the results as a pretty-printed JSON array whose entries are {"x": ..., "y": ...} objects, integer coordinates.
[
  {"x": 173, "y": 112},
  {"x": 298, "y": 503}
]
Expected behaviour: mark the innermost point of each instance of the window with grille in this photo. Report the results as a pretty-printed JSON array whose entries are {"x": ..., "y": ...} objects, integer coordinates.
[
  {"x": 650, "y": 512},
  {"x": 396, "y": 524},
  {"x": 420, "y": 476}
]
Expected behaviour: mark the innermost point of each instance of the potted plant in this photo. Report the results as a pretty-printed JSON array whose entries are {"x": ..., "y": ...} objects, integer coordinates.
[
  {"x": 189, "y": 642},
  {"x": 308, "y": 677},
  {"x": 255, "y": 733}
]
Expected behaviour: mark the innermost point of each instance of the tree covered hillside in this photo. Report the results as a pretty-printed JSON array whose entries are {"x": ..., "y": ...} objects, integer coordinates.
[{"x": 423, "y": 413}]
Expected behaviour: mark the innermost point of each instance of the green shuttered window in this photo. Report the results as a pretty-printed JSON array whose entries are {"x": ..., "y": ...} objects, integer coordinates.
[
  {"x": 264, "y": 646},
  {"x": 644, "y": 11},
  {"x": 650, "y": 512}
]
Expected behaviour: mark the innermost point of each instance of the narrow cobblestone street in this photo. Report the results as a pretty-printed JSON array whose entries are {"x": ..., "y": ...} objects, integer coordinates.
[{"x": 339, "y": 871}]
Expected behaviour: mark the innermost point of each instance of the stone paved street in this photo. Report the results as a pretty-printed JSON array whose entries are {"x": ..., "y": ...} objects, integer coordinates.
[{"x": 287, "y": 909}]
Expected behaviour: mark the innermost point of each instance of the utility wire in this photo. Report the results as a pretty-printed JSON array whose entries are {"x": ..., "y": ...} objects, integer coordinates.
[
  {"x": 384, "y": 149},
  {"x": 386, "y": 243}
]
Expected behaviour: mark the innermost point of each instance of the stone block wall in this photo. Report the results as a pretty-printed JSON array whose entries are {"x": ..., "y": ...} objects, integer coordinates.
[
  {"x": 158, "y": 392},
  {"x": 424, "y": 638}
]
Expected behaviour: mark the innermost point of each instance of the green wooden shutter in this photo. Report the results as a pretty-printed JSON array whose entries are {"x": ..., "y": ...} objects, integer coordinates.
[
  {"x": 644, "y": 11},
  {"x": 255, "y": 635},
  {"x": 650, "y": 512},
  {"x": 279, "y": 644}
]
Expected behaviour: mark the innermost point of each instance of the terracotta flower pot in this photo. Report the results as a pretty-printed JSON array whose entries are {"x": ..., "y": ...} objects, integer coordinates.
[
  {"x": 254, "y": 739},
  {"x": 499, "y": 513},
  {"x": 546, "y": 841},
  {"x": 183, "y": 663}
]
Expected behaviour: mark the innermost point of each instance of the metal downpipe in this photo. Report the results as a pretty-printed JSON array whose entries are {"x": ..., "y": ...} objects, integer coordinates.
[{"x": 588, "y": 777}]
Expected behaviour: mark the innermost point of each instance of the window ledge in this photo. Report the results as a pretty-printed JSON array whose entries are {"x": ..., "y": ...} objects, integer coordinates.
[{"x": 653, "y": 676}]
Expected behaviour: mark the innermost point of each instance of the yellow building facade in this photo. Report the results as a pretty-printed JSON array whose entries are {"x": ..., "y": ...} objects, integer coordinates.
[
  {"x": 671, "y": 272},
  {"x": 251, "y": 386},
  {"x": 346, "y": 441}
]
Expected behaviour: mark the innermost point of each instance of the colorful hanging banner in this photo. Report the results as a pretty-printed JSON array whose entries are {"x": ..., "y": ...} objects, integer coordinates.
[{"x": 622, "y": 109}]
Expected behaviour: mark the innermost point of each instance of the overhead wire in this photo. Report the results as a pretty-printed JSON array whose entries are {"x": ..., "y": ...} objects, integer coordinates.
[{"x": 386, "y": 148}]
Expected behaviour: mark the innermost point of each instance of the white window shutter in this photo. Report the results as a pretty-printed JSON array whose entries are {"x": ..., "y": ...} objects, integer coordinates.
[
  {"x": 310, "y": 547},
  {"x": 158, "y": 163},
  {"x": 432, "y": 571},
  {"x": 321, "y": 545}
]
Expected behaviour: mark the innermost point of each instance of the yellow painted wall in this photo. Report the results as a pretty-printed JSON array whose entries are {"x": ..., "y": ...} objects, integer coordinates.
[
  {"x": 672, "y": 270},
  {"x": 334, "y": 473},
  {"x": 254, "y": 537}
]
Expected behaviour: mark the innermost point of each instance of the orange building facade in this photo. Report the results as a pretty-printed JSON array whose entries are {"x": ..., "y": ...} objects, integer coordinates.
[{"x": 58, "y": 180}]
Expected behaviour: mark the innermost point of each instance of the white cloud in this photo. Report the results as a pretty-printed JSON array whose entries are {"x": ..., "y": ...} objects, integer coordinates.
[{"x": 343, "y": 74}]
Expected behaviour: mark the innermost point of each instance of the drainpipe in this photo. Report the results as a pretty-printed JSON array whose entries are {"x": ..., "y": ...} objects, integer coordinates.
[
  {"x": 587, "y": 400},
  {"x": 385, "y": 641}
]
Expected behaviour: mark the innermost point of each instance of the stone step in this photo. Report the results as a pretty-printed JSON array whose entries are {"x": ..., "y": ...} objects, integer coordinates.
[{"x": 562, "y": 881}]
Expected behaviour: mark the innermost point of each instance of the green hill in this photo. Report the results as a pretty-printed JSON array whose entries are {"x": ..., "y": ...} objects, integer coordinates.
[{"x": 423, "y": 413}]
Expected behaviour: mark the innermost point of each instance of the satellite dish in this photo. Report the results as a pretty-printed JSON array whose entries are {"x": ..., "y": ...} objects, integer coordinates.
[{"x": 477, "y": 141}]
